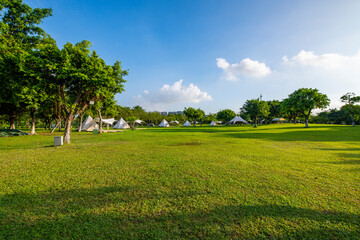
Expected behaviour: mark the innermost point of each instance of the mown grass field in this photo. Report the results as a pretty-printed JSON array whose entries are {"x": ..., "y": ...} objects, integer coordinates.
[{"x": 275, "y": 182}]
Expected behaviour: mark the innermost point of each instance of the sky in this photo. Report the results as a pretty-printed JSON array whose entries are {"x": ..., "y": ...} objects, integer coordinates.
[{"x": 216, "y": 54}]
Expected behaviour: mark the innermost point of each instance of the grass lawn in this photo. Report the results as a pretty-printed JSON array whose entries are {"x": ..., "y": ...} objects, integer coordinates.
[{"x": 280, "y": 181}]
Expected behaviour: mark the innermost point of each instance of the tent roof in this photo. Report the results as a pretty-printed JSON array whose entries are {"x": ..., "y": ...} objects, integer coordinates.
[
  {"x": 278, "y": 119},
  {"x": 237, "y": 119},
  {"x": 109, "y": 121},
  {"x": 121, "y": 124},
  {"x": 213, "y": 123},
  {"x": 163, "y": 123},
  {"x": 87, "y": 123},
  {"x": 187, "y": 124}
]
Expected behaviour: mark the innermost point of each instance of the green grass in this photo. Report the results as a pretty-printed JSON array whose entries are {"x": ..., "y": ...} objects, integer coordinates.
[{"x": 280, "y": 182}]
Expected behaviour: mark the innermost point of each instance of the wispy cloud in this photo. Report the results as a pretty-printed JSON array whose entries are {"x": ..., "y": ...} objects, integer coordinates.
[
  {"x": 247, "y": 68},
  {"x": 328, "y": 61}
]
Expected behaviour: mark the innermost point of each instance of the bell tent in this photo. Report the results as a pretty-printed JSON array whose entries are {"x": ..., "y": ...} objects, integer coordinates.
[
  {"x": 213, "y": 123},
  {"x": 187, "y": 124},
  {"x": 89, "y": 124},
  {"x": 164, "y": 123},
  {"x": 121, "y": 124}
]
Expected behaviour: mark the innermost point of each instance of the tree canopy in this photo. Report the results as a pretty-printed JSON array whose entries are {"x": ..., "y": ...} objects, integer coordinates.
[
  {"x": 193, "y": 114},
  {"x": 255, "y": 108},
  {"x": 225, "y": 115},
  {"x": 304, "y": 100}
]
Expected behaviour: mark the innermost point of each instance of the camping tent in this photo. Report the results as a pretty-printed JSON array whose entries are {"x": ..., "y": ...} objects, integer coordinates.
[
  {"x": 237, "y": 120},
  {"x": 212, "y": 123},
  {"x": 278, "y": 120},
  {"x": 187, "y": 124},
  {"x": 164, "y": 123},
  {"x": 121, "y": 124},
  {"x": 172, "y": 122},
  {"x": 89, "y": 124},
  {"x": 139, "y": 121},
  {"x": 109, "y": 121}
]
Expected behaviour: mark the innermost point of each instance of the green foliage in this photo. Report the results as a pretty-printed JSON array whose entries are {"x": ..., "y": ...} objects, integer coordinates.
[
  {"x": 349, "y": 108},
  {"x": 274, "y": 109},
  {"x": 82, "y": 77},
  {"x": 225, "y": 115},
  {"x": 304, "y": 100},
  {"x": 256, "y": 109},
  {"x": 20, "y": 37},
  {"x": 194, "y": 114}
]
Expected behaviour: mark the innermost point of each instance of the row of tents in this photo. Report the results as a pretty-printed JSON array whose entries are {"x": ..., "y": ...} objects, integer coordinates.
[{"x": 90, "y": 124}]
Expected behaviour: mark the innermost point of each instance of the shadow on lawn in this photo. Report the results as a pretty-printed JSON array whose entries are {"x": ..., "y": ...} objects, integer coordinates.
[{"x": 125, "y": 212}]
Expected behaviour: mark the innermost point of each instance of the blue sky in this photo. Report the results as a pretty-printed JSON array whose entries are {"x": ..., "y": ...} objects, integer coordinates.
[{"x": 217, "y": 54}]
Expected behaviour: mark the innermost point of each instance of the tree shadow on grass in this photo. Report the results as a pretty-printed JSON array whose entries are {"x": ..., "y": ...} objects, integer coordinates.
[{"x": 100, "y": 214}]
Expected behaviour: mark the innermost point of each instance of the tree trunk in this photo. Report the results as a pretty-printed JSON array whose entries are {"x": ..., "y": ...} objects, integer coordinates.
[
  {"x": 255, "y": 122},
  {"x": 100, "y": 123},
  {"x": 32, "y": 113},
  {"x": 67, "y": 132},
  {"x": 107, "y": 126},
  {"x": 352, "y": 120},
  {"x": 80, "y": 122},
  {"x": 306, "y": 122},
  {"x": 58, "y": 122},
  {"x": 12, "y": 121}
]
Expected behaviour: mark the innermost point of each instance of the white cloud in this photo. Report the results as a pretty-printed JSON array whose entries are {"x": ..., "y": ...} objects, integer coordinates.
[
  {"x": 328, "y": 61},
  {"x": 172, "y": 94},
  {"x": 246, "y": 67}
]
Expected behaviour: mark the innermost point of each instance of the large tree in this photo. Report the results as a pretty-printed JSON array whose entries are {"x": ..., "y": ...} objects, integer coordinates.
[
  {"x": 225, "y": 115},
  {"x": 350, "y": 99},
  {"x": 304, "y": 100},
  {"x": 20, "y": 37},
  {"x": 82, "y": 77},
  {"x": 288, "y": 110},
  {"x": 193, "y": 114},
  {"x": 274, "y": 108},
  {"x": 255, "y": 109}
]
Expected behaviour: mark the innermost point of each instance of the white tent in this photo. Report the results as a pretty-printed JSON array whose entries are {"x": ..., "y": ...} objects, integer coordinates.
[
  {"x": 109, "y": 121},
  {"x": 212, "y": 123},
  {"x": 139, "y": 121},
  {"x": 187, "y": 124},
  {"x": 278, "y": 120},
  {"x": 121, "y": 124},
  {"x": 164, "y": 123},
  {"x": 89, "y": 124},
  {"x": 237, "y": 120},
  {"x": 172, "y": 122}
]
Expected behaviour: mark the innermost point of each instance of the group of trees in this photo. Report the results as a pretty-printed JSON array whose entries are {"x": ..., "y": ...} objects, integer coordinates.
[{"x": 38, "y": 78}]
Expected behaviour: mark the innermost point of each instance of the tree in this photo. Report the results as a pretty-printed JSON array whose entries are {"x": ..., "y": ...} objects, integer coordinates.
[
  {"x": 225, "y": 115},
  {"x": 255, "y": 108},
  {"x": 131, "y": 121},
  {"x": 304, "y": 100},
  {"x": 274, "y": 108},
  {"x": 288, "y": 110},
  {"x": 20, "y": 36},
  {"x": 350, "y": 99},
  {"x": 193, "y": 114},
  {"x": 82, "y": 77}
]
